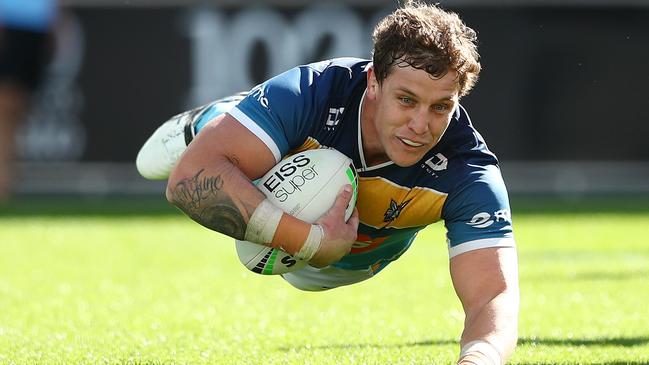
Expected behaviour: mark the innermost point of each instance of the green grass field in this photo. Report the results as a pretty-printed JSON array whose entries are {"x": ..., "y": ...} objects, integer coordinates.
[{"x": 130, "y": 282}]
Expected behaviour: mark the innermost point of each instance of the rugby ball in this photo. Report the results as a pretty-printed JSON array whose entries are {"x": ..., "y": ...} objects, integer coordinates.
[{"x": 304, "y": 185}]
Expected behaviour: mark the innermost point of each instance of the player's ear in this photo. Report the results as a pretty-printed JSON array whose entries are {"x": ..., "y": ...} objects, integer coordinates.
[{"x": 372, "y": 83}]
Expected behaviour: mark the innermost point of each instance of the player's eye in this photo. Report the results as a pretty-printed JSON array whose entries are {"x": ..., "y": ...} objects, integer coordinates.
[
  {"x": 440, "y": 107},
  {"x": 406, "y": 100}
]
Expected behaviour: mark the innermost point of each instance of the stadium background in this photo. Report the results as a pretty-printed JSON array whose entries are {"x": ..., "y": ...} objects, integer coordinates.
[
  {"x": 97, "y": 268},
  {"x": 561, "y": 99}
]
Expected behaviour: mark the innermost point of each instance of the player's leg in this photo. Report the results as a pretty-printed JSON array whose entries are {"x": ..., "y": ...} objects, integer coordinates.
[
  {"x": 163, "y": 148},
  {"x": 13, "y": 107},
  {"x": 310, "y": 278},
  {"x": 23, "y": 58}
]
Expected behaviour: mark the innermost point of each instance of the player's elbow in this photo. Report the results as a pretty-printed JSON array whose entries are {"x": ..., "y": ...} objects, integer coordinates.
[
  {"x": 173, "y": 190},
  {"x": 177, "y": 184},
  {"x": 169, "y": 194}
]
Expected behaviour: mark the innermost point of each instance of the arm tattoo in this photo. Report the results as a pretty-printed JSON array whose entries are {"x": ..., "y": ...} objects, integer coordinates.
[{"x": 202, "y": 199}]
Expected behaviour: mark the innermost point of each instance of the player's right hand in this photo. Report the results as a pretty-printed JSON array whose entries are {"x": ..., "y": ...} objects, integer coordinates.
[{"x": 339, "y": 236}]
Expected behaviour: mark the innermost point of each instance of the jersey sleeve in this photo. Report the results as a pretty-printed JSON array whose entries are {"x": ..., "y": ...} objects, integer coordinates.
[
  {"x": 281, "y": 110},
  {"x": 477, "y": 214}
]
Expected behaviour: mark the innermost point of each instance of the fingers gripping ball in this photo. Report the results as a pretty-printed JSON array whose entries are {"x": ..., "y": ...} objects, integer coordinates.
[{"x": 304, "y": 185}]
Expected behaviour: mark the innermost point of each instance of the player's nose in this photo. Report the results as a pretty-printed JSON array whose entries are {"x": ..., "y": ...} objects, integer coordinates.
[{"x": 419, "y": 122}]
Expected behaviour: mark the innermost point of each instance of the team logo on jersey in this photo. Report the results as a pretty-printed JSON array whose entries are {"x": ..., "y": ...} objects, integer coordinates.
[
  {"x": 435, "y": 164},
  {"x": 258, "y": 94},
  {"x": 333, "y": 118},
  {"x": 394, "y": 210},
  {"x": 484, "y": 219}
]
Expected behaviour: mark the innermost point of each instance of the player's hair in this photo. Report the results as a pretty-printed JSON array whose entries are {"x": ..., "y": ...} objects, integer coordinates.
[{"x": 427, "y": 38}]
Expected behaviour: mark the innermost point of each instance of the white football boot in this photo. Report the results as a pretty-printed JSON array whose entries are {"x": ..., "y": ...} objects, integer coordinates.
[{"x": 159, "y": 154}]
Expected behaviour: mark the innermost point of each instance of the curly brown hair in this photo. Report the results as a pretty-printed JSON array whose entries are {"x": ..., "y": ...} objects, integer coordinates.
[{"x": 427, "y": 38}]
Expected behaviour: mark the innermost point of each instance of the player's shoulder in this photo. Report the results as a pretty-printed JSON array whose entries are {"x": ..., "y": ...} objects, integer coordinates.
[
  {"x": 477, "y": 213},
  {"x": 319, "y": 79},
  {"x": 337, "y": 75},
  {"x": 343, "y": 65},
  {"x": 477, "y": 206},
  {"x": 288, "y": 106}
]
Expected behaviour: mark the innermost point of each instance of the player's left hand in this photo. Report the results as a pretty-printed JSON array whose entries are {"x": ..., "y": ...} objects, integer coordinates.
[{"x": 339, "y": 236}]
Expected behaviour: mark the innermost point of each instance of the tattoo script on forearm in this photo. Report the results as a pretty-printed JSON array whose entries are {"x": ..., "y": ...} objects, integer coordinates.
[{"x": 202, "y": 198}]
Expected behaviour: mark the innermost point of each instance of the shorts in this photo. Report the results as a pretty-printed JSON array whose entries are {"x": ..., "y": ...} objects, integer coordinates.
[
  {"x": 23, "y": 57},
  {"x": 310, "y": 278}
]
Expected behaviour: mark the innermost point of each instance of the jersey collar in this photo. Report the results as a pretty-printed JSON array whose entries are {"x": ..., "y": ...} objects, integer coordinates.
[{"x": 361, "y": 155}]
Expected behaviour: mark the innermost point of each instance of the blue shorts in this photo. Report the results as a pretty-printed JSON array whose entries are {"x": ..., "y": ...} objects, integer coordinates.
[{"x": 23, "y": 57}]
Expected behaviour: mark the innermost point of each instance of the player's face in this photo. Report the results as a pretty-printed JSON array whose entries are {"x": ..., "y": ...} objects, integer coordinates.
[{"x": 408, "y": 114}]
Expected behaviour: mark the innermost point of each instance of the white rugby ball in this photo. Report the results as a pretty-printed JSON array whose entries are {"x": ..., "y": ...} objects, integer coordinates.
[{"x": 304, "y": 185}]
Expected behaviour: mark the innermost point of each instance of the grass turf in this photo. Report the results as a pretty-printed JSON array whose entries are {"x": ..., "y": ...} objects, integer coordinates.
[{"x": 124, "y": 283}]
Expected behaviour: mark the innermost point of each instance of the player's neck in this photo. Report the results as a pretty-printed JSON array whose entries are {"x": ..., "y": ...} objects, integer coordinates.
[{"x": 372, "y": 149}]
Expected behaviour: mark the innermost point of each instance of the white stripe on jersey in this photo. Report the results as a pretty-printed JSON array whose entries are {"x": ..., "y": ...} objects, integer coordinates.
[
  {"x": 257, "y": 131},
  {"x": 478, "y": 244}
]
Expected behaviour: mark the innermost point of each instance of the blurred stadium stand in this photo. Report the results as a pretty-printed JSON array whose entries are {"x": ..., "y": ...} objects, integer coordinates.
[
  {"x": 561, "y": 100},
  {"x": 446, "y": 3},
  {"x": 562, "y": 179}
]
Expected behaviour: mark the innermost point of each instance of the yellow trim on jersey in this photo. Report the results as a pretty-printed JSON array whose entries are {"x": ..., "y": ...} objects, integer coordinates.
[
  {"x": 414, "y": 206},
  {"x": 310, "y": 144}
]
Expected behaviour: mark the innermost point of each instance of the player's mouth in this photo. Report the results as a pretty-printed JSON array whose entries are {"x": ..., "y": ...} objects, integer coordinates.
[{"x": 410, "y": 143}]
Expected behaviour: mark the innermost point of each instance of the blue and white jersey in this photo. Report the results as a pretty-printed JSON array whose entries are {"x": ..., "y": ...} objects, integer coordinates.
[{"x": 458, "y": 181}]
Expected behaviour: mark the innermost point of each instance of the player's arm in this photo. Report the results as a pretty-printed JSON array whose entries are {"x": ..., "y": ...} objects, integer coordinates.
[
  {"x": 486, "y": 282},
  {"x": 211, "y": 183},
  {"x": 484, "y": 265}
]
